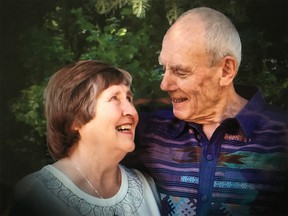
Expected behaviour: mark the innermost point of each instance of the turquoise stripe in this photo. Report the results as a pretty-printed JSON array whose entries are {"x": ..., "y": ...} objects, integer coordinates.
[
  {"x": 230, "y": 185},
  {"x": 239, "y": 185},
  {"x": 261, "y": 161},
  {"x": 190, "y": 179}
]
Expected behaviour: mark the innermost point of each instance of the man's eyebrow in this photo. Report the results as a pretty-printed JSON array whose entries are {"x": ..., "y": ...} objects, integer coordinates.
[{"x": 180, "y": 67}]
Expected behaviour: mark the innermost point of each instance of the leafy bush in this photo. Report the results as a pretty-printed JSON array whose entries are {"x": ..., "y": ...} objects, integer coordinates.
[{"x": 75, "y": 31}]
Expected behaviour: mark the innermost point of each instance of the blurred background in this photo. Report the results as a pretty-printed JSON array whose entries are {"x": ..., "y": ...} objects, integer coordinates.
[{"x": 37, "y": 37}]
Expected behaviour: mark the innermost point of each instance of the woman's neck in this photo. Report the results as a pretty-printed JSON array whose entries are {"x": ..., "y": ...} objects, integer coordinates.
[{"x": 92, "y": 175}]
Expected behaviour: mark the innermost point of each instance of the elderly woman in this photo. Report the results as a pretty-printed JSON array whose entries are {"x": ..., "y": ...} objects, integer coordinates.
[{"x": 91, "y": 124}]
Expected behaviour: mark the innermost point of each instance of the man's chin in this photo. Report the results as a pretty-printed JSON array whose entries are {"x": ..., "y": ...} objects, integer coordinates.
[{"x": 180, "y": 114}]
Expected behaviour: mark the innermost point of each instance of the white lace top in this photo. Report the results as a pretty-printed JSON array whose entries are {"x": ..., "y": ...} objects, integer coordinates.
[{"x": 50, "y": 192}]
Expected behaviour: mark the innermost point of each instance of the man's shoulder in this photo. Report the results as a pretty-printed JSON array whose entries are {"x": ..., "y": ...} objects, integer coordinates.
[
  {"x": 257, "y": 106},
  {"x": 276, "y": 113},
  {"x": 157, "y": 118},
  {"x": 267, "y": 112},
  {"x": 158, "y": 114},
  {"x": 161, "y": 122}
]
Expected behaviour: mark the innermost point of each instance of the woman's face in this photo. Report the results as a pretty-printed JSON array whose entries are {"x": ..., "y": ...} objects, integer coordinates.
[{"x": 113, "y": 127}]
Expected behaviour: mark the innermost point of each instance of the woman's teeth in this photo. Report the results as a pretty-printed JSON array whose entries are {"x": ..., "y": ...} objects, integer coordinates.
[{"x": 123, "y": 128}]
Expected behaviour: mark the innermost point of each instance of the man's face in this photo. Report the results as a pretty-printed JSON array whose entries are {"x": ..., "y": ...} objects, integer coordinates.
[{"x": 189, "y": 79}]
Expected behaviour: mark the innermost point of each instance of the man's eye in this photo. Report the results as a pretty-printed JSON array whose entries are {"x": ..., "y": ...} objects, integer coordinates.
[{"x": 180, "y": 73}]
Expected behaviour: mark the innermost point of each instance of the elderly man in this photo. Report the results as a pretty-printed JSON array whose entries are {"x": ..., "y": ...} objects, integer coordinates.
[{"x": 222, "y": 150}]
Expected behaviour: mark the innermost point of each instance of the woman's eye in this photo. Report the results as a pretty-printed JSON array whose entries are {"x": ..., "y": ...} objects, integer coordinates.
[
  {"x": 130, "y": 99},
  {"x": 114, "y": 98}
]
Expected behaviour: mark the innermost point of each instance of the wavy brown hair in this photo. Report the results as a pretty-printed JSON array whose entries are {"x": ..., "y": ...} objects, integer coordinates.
[{"x": 70, "y": 98}]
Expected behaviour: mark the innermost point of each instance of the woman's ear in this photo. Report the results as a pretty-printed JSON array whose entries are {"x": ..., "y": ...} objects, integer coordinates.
[
  {"x": 229, "y": 70},
  {"x": 75, "y": 126}
]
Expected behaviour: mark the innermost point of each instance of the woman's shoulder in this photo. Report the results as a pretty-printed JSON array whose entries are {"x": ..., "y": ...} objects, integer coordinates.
[
  {"x": 32, "y": 181},
  {"x": 148, "y": 187},
  {"x": 135, "y": 174}
]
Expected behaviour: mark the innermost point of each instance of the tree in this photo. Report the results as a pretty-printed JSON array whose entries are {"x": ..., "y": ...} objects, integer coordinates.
[
  {"x": 128, "y": 33},
  {"x": 75, "y": 31}
]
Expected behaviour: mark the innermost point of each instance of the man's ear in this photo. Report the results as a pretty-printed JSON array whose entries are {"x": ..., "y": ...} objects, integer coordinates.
[{"x": 229, "y": 70}]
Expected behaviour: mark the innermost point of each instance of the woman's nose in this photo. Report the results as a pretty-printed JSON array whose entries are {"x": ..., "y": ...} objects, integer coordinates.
[{"x": 129, "y": 109}]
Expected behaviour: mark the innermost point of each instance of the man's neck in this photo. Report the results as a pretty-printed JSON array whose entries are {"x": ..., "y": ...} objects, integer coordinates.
[{"x": 231, "y": 107}]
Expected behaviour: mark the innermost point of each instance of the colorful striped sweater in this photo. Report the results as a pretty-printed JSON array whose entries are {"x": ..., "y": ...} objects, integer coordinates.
[{"x": 241, "y": 170}]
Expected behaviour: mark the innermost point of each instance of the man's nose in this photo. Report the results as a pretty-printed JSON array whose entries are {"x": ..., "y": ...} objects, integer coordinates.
[{"x": 168, "y": 82}]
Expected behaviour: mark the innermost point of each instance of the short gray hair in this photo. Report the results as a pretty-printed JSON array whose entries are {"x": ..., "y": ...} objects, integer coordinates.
[{"x": 221, "y": 36}]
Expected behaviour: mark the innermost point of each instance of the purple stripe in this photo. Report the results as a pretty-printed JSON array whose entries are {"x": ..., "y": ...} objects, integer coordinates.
[
  {"x": 258, "y": 146},
  {"x": 227, "y": 195},
  {"x": 275, "y": 131},
  {"x": 161, "y": 120},
  {"x": 169, "y": 141},
  {"x": 182, "y": 169},
  {"x": 179, "y": 189}
]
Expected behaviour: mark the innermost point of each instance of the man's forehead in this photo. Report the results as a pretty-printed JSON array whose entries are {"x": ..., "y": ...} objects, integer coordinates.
[
  {"x": 181, "y": 48},
  {"x": 187, "y": 27}
]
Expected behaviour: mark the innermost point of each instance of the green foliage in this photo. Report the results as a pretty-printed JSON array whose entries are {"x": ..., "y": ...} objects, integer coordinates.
[
  {"x": 120, "y": 46},
  {"x": 45, "y": 49},
  {"x": 139, "y": 7},
  {"x": 116, "y": 34},
  {"x": 262, "y": 68},
  {"x": 29, "y": 108},
  {"x": 58, "y": 45},
  {"x": 174, "y": 10}
]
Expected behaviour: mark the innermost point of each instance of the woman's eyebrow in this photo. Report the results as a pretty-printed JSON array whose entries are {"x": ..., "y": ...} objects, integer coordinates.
[{"x": 130, "y": 93}]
